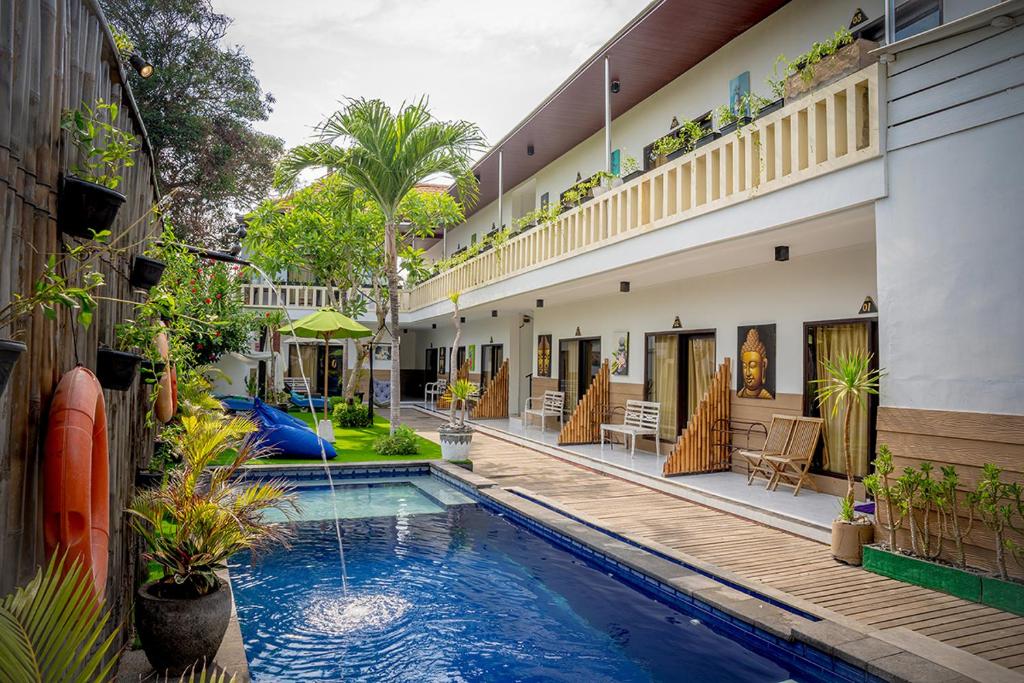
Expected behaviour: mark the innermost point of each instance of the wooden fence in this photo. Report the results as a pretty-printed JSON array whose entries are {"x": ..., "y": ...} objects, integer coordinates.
[
  {"x": 445, "y": 401},
  {"x": 55, "y": 55},
  {"x": 584, "y": 425},
  {"x": 494, "y": 402},
  {"x": 701, "y": 448}
]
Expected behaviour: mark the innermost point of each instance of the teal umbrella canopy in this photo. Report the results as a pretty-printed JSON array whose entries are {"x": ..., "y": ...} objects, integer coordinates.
[{"x": 326, "y": 324}]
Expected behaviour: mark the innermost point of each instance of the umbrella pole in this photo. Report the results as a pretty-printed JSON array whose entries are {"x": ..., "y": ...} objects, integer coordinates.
[{"x": 327, "y": 360}]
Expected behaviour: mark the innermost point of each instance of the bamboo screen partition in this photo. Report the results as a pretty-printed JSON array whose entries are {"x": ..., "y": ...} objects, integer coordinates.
[
  {"x": 697, "y": 449},
  {"x": 445, "y": 401},
  {"x": 54, "y": 55},
  {"x": 494, "y": 402},
  {"x": 584, "y": 426}
]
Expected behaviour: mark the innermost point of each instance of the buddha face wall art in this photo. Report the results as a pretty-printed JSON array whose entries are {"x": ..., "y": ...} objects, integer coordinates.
[{"x": 755, "y": 372}]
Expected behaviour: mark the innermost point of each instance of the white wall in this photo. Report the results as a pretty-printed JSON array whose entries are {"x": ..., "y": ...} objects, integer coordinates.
[
  {"x": 824, "y": 286},
  {"x": 790, "y": 31}
]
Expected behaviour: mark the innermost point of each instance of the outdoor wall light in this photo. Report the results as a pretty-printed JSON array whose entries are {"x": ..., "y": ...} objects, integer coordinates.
[
  {"x": 540, "y": 303},
  {"x": 494, "y": 314},
  {"x": 141, "y": 66},
  {"x": 529, "y": 150},
  {"x": 782, "y": 253},
  {"x": 623, "y": 286},
  {"x": 405, "y": 330},
  {"x": 462, "y": 318},
  {"x": 433, "y": 326},
  {"x": 615, "y": 87}
]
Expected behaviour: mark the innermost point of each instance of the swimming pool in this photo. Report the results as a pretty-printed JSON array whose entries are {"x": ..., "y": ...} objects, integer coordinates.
[{"x": 441, "y": 588}]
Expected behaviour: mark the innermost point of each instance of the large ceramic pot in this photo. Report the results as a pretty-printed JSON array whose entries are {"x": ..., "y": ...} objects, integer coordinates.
[
  {"x": 10, "y": 352},
  {"x": 85, "y": 207},
  {"x": 455, "y": 442},
  {"x": 178, "y": 632},
  {"x": 849, "y": 539}
]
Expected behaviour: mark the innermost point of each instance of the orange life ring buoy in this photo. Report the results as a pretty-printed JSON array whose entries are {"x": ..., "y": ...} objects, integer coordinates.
[
  {"x": 166, "y": 399},
  {"x": 76, "y": 508}
]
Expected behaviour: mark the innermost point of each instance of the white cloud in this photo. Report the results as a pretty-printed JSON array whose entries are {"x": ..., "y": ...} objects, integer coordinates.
[{"x": 486, "y": 62}]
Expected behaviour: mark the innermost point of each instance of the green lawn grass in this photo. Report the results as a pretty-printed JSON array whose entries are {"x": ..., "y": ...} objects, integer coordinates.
[{"x": 354, "y": 445}]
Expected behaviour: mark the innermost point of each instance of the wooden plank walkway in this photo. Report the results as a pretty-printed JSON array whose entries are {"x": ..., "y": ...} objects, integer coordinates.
[{"x": 797, "y": 566}]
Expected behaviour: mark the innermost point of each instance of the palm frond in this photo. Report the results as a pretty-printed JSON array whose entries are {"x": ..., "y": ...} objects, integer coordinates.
[
  {"x": 848, "y": 378},
  {"x": 52, "y": 628}
]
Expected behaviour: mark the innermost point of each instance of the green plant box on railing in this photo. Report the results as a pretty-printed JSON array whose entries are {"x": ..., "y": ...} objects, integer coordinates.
[{"x": 940, "y": 577}]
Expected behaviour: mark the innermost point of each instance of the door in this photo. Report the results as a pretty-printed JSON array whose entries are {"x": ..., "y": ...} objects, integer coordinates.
[
  {"x": 430, "y": 366},
  {"x": 579, "y": 361},
  {"x": 460, "y": 358},
  {"x": 491, "y": 357},
  {"x": 678, "y": 369},
  {"x": 826, "y": 342}
]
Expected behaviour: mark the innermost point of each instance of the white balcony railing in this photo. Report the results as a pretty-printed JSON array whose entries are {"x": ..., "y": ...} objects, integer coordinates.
[
  {"x": 831, "y": 128},
  {"x": 290, "y": 296}
]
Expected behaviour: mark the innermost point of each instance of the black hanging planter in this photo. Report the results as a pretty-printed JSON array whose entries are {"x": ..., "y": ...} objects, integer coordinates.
[
  {"x": 713, "y": 135},
  {"x": 146, "y": 272},
  {"x": 770, "y": 107},
  {"x": 730, "y": 127},
  {"x": 85, "y": 207},
  {"x": 629, "y": 176},
  {"x": 116, "y": 369},
  {"x": 10, "y": 351},
  {"x": 151, "y": 371}
]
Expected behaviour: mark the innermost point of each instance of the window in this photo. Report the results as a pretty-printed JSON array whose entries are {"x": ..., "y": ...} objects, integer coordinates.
[
  {"x": 544, "y": 201},
  {"x": 912, "y": 17}
]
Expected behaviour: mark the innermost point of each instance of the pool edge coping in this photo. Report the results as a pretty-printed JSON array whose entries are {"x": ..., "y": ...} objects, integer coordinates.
[{"x": 897, "y": 655}]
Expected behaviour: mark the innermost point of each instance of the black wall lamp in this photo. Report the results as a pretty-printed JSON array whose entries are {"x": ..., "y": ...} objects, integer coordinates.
[
  {"x": 494, "y": 314},
  {"x": 615, "y": 86},
  {"x": 623, "y": 286},
  {"x": 141, "y": 66},
  {"x": 540, "y": 303},
  {"x": 462, "y": 319},
  {"x": 782, "y": 253},
  {"x": 529, "y": 150}
]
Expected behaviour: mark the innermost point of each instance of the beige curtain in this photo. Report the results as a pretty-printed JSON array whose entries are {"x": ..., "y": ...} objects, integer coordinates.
[
  {"x": 700, "y": 371},
  {"x": 832, "y": 341},
  {"x": 665, "y": 383},
  {"x": 309, "y": 364},
  {"x": 571, "y": 374}
]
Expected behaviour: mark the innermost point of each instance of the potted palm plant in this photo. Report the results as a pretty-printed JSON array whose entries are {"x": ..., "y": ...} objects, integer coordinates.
[
  {"x": 192, "y": 523},
  {"x": 89, "y": 200},
  {"x": 456, "y": 435},
  {"x": 848, "y": 382}
]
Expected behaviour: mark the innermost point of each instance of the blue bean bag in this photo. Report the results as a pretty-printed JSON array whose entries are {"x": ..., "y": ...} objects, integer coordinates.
[
  {"x": 289, "y": 435},
  {"x": 236, "y": 404}
]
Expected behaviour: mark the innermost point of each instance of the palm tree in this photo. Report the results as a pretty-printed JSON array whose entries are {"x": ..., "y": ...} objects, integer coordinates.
[
  {"x": 385, "y": 154},
  {"x": 848, "y": 380}
]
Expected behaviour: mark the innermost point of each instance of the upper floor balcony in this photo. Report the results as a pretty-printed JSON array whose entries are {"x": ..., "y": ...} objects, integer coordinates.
[
  {"x": 296, "y": 297},
  {"x": 832, "y": 128}
]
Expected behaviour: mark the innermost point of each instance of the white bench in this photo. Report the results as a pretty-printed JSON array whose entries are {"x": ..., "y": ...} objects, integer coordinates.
[
  {"x": 434, "y": 391},
  {"x": 552, "y": 405},
  {"x": 643, "y": 418}
]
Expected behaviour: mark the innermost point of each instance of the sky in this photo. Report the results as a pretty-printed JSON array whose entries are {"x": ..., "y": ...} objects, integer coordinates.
[{"x": 480, "y": 60}]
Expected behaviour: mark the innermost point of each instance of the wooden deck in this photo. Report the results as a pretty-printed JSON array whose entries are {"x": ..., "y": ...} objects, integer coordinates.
[{"x": 799, "y": 567}]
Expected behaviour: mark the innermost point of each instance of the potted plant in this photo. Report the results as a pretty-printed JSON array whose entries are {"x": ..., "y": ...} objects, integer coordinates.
[
  {"x": 827, "y": 61},
  {"x": 848, "y": 382},
  {"x": 146, "y": 272},
  {"x": 199, "y": 517},
  {"x": 630, "y": 169},
  {"x": 49, "y": 292},
  {"x": 666, "y": 146},
  {"x": 89, "y": 200},
  {"x": 116, "y": 369},
  {"x": 456, "y": 436}
]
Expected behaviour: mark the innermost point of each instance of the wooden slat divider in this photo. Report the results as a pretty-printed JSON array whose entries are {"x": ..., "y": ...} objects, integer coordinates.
[
  {"x": 445, "y": 401},
  {"x": 584, "y": 426},
  {"x": 697, "y": 450},
  {"x": 494, "y": 402}
]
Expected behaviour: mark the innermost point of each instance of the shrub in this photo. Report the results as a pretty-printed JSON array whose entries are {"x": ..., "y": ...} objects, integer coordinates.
[
  {"x": 352, "y": 416},
  {"x": 402, "y": 442}
]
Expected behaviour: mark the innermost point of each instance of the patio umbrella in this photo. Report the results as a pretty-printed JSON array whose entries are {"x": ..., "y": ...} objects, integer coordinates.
[{"x": 326, "y": 324}]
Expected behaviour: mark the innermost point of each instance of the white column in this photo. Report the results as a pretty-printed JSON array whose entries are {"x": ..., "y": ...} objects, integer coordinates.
[
  {"x": 501, "y": 184},
  {"x": 607, "y": 115}
]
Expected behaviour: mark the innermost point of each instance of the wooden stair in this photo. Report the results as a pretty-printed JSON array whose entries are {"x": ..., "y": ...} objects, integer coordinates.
[
  {"x": 700, "y": 449},
  {"x": 584, "y": 426},
  {"x": 494, "y": 402},
  {"x": 445, "y": 402}
]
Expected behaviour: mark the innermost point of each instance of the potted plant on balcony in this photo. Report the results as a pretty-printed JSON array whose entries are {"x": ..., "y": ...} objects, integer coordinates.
[
  {"x": 191, "y": 524},
  {"x": 89, "y": 200},
  {"x": 630, "y": 169},
  {"x": 827, "y": 61},
  {"x": 848, "y": 382}
]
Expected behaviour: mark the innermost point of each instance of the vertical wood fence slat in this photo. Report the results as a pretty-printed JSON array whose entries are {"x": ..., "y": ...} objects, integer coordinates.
[
  {"x": 494, "y": 402},
  {"x": 445, "y": 401},
  {"x": 584, "y": 425}
]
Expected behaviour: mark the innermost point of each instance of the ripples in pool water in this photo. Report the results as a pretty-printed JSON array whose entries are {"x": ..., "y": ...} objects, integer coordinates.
[{"x": 464, "y": 595}]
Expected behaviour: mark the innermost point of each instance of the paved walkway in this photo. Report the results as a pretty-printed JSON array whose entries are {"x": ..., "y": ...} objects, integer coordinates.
[{"x": 774, "y": 560}]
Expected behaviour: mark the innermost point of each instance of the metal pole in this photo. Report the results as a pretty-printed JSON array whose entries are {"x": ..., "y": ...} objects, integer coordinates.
[
  {"x": 370, "y": 388},
  {"x": 890, "y": 22},
  {"x": 607, "y": 115},
  {"x": 501, "y": 183}
]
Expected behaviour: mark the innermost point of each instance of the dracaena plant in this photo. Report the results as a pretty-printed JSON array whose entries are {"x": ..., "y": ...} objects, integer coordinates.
[
  {"x": 104, "y": 149},
  {"x": 994, "y": 501},
  {"x": 202, "y": 515}
]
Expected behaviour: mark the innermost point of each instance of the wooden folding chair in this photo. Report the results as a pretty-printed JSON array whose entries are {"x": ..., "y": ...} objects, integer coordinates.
[
  {"x": 775, "y": 444},
  {"x": 790, "y": 469}
]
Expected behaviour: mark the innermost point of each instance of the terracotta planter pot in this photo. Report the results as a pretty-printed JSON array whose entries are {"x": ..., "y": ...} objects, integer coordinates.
[
  {"x": 849, "y": 539},
  {"x": 178, "y": 632}
]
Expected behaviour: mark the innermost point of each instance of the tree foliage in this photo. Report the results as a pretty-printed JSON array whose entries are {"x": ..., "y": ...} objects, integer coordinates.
[{"x": 199, "y": 107}]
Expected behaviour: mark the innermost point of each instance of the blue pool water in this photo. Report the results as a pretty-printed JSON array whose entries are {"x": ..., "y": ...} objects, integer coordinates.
[{"x": 442, "y": 589}]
